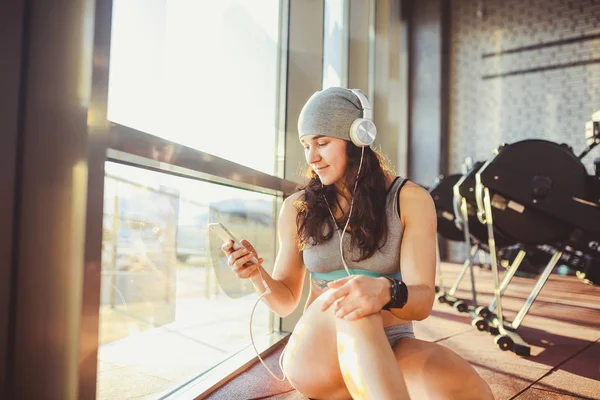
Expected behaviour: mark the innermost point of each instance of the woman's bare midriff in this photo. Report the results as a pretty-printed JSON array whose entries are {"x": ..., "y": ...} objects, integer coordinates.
[{"x": 389, "y": 319}]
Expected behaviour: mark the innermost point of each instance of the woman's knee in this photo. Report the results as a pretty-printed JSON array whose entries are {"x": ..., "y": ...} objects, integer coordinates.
[
  {"x": 368, "y": 328},
  {"x": 375, "y": 319}
]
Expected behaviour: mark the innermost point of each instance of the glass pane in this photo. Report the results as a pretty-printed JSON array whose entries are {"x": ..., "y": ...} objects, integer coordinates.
[
  {"x": 201, "y": 73},
  {"x": 164, "y": 318},
  {"x": 335, "y": 43}
]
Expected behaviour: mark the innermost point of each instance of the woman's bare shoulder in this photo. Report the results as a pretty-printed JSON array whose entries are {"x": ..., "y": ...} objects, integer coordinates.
[
  {"x": 294, "y": 200},
  {"x": 415, "y": 200},
  {"x": 292, "y": 204},
  {"x": 299, "y": 195},
  {"x": 413, "y": 189}
]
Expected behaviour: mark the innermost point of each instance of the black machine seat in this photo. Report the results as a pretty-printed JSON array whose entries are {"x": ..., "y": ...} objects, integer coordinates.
[{"x": 541, "y": 194}]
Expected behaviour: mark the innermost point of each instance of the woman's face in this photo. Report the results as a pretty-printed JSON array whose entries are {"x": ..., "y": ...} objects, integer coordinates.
[{"x": 326, "y": 156}]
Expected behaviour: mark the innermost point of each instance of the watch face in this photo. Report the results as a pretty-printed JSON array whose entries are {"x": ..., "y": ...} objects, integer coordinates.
[{"x": 398, "y": 294}]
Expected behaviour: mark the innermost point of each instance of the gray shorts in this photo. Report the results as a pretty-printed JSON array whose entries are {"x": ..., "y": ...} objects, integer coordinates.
[{"x": 396, "y": 332}]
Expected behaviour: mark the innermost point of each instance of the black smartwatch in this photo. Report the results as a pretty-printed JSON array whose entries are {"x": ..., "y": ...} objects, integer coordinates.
[{"x": 398, "y": 294}]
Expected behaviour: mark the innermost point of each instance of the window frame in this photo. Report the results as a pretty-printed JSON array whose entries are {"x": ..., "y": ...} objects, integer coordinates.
[{"x": 109, "y": 141}]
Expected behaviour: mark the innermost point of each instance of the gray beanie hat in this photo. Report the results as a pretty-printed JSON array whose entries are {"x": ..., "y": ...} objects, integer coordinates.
[{"x": 330, "y": 112}]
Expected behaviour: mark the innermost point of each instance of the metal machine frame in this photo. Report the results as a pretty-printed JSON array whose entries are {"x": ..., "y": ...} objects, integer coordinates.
[{"x": 505, "y": 331}]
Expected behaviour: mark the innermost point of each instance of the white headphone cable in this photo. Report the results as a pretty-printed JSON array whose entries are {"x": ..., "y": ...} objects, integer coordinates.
[
  {"x": 341, "y": 236},
  {"x": 268, "y": 290}
]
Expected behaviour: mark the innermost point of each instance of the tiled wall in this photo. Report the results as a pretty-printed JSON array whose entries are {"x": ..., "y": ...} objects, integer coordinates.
[{"x": 545, "y": 85}]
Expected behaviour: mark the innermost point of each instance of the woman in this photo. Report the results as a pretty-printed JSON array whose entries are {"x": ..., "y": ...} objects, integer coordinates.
[{"x": 355, "y": 338}]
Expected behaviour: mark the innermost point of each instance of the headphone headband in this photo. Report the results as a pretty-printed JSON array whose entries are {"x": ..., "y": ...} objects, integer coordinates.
[{"x": 364, "y": 103}]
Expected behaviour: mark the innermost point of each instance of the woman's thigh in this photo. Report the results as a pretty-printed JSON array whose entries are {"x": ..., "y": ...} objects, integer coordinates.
[
  {"x": 432, "y": 371},
  {"x": 311, "y": 358}
]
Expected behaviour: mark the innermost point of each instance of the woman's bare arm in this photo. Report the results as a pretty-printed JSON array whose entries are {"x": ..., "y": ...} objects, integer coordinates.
[
  {"x": 288, "y": 272},
  {"x": 418, "y": 252}
]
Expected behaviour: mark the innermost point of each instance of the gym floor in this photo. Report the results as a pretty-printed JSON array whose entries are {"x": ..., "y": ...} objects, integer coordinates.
[{"x": 562, "y": 328}]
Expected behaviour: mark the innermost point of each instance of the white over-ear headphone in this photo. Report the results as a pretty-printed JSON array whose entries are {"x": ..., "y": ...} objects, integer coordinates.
[{"x": 363, "y": 130}]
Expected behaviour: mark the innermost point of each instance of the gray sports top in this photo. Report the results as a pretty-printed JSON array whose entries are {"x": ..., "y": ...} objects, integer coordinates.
[{"x": 324, "y": 260}]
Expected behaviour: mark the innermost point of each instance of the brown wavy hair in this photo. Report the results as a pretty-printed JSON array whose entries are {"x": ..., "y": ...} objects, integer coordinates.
[{"x": 368, "y": 222}]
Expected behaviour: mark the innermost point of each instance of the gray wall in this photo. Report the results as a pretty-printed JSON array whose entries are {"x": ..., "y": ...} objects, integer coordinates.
[
  {"x": 489, "y": 107},
  {"x": 546, "y": 86}
]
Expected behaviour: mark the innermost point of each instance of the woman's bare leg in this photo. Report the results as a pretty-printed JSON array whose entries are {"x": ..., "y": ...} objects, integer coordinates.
[
  {"x": 430, "y": 371},
  {"x": 435, "y": 372},
  {"x": 367, "y": 361},
  {"x": 311, "y": 361},
  {"x": 320, "y": 341}
]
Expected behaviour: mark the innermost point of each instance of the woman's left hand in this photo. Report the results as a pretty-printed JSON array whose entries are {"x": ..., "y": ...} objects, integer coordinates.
[{"x": 357, "y": 296}]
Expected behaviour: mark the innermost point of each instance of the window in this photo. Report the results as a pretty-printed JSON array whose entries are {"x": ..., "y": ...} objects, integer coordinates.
[
  {"x": 171, "y": 308},
  {"x": 335, "y": 43},
  {"x": 204, "y": 74}
]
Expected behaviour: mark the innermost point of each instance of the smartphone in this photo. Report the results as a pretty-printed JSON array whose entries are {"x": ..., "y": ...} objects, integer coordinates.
[{"x": 225, "y": 235}]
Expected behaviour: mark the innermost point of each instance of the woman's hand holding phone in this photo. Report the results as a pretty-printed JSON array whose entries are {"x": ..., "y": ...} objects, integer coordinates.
[{"x": 240, "y": 260}]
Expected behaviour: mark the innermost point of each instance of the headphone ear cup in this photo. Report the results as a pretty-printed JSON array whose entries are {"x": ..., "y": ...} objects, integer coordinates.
[{"x": 363, "y": 132}]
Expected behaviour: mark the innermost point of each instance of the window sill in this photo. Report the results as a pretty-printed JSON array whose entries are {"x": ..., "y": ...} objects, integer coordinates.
[{"x": 203, "y": 385}]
